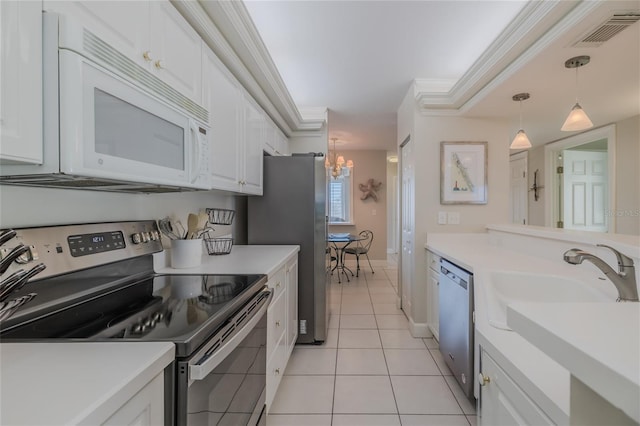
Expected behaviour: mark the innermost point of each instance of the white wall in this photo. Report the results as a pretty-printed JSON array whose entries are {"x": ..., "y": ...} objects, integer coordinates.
[
  {"x": 25, "y": 207},
  {"x": 426, "y": 134},
  {"x": 628, "y": 176}
]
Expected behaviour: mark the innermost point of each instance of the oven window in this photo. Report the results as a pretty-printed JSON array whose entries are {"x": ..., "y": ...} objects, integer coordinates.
[
  {"x": 233, "y": 393},
  {"x": 125, "y": 131}
]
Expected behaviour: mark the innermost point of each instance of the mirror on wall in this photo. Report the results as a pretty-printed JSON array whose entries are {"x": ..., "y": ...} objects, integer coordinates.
[{"x": 582, "y": 182}]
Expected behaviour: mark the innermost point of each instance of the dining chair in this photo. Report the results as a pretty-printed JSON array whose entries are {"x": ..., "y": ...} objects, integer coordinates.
[{"x": 362, "y": 248}]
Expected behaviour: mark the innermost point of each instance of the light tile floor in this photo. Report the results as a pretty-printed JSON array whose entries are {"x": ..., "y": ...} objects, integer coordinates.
[{"x": 370, "y": 371}]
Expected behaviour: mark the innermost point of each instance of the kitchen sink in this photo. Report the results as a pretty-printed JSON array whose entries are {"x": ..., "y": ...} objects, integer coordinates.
[{"x": 504, "y": 287}]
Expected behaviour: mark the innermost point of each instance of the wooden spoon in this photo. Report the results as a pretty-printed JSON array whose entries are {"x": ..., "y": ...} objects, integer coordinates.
[{"x": 192, "y": 225}]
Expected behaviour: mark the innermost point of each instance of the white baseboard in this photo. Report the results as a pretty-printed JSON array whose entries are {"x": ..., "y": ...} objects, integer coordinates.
[{"x": 419, "y": 329}]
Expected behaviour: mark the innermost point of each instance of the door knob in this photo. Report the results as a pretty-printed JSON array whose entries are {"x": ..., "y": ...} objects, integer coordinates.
[{"x": 483, "y": 380}]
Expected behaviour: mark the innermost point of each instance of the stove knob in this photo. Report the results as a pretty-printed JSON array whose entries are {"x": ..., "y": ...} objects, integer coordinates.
[
  {"x": 136, "y": 238},
  {"x": 149, "y": 322},
  {"x": 158, "y": 316},
  {"x": 145, "y": 237},
  {"x": 155, "y": 235},
  {"x": 137, "y": 329}
]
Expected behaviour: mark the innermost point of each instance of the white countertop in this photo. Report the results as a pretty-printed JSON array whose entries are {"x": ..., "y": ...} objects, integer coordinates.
[
  {"x": 541, "y": 377},
  {"x": 599, "y": 343},
  {"x": 65, "y": 383},
  {"x": 254, "y": 259}
]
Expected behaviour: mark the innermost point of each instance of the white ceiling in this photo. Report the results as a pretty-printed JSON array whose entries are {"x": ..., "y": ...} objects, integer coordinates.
[{"x": 359, "y": 58}]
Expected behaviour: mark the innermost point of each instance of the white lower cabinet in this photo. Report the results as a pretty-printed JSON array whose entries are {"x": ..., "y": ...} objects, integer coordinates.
[
  {"x": 433, "y": 282},
  {"x": 502, "y": 401},
  {"x": 282, "y": 324},
  {"x": 146, "y": 408},
  {"x": 292, "y": 302}
]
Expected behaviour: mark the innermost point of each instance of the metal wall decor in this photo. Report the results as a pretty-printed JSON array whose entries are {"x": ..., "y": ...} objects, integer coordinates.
[
  {"x": 463, "y": 172},
  {"x": 369, "y": 190},
  {"x": 535, "y": 187}
]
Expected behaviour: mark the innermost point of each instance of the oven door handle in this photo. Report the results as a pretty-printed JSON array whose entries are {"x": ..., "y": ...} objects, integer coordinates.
[{"x": 200, "y": 370}]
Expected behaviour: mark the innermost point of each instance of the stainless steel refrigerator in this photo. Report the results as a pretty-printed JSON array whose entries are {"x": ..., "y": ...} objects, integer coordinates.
[{"x": 292, "y": 210}]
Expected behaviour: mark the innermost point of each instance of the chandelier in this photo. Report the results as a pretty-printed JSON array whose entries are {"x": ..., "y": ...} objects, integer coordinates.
[{"x": 337, "y": 162}]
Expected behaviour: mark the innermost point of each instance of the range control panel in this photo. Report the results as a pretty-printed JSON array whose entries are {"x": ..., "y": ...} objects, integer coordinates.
[
  {"x": 82, "y": 245},
  {"x": 67, "y": 248}
]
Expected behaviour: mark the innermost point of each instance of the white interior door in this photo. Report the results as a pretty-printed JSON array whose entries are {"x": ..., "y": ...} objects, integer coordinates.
[
  {"x": 407, "y": 226},
  {"x": 518, "y": 190},
  {"x": 585, "y": 190}
]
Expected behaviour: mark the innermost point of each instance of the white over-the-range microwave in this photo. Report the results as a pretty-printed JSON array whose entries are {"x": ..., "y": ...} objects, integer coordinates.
[{"x": 109, "y": 124}]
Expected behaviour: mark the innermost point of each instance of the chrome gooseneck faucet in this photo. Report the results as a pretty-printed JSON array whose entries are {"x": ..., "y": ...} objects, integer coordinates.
[{"x": 624, "y": 279}]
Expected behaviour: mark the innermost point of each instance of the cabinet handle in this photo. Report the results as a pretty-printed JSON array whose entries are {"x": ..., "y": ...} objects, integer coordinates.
[
  {"x": 277, "y": 371},
  {"x": 278, "y": 285},
  {"x": 483, "y": 380},
  {"x": 158, "y": 64},
  {"x": 277, "y": 323},
  {"x": 147, "y": 56}
]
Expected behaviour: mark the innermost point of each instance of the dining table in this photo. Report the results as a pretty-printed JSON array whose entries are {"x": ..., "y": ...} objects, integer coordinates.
[{"x": 339, "y": 242}]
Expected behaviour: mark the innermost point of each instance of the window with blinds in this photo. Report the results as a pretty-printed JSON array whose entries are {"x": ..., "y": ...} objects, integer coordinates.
[{"x": 339, "y": 194}]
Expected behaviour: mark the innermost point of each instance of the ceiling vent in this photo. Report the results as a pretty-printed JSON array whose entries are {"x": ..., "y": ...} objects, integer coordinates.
[{"x": 608, "y": 29}]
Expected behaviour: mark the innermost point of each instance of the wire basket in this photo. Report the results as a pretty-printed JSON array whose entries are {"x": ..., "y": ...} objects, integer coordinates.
[
  {"x": 216, "y": 246},
  {"x": 221, "y": 216}
]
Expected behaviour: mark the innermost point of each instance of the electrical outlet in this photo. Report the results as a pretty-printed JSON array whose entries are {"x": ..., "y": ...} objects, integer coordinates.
[
  {"x": 453, "y": 218},
  {"x": 442, "y": 218}
]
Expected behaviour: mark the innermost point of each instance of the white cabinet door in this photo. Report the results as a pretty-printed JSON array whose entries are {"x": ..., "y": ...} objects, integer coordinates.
[
  {"x": 281, "y": 144},
  {"x": 434, "y": 310},
  {"x": 176, "y": 49},
  {"x": 292, "y": 302},
  {"x": 502, "y": 401},
  {"x": 222, "y": 97},
  {"x": 151, "y": 33},
  {"x": 146, "y": 408},
  {"x": 254, "y": 129},
  {"x": 21, "y": 82},
  {"x": 122, "y": 24}
]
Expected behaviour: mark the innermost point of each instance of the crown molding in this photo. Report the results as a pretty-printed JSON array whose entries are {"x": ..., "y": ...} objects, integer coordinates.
[
  {"x": 534, "y": 29},
  {"x": 228, "y": 30}
]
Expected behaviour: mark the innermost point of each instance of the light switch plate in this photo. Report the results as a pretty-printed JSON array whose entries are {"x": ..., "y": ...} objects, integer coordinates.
[
  {"x": 442, "y": 218},
  {"x": 453, "y": 218}
]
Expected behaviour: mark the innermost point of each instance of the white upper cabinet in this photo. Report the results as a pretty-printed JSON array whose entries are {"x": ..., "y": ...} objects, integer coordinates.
[
  {"x": 222, "y": 97},
  {"x": 254, "y": 131},
  {"x": 237, "y": 130},
  {"x": 122, "y": 24},
  {"x": 275, "y": 142},
  {"x": 176, "y": 50},
  {"x": 21, "y": 82},
  {"x": 153, "y": 34}
]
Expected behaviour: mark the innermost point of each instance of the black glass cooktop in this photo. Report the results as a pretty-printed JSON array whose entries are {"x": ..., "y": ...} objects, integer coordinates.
[{"x": 184, "y": 309}]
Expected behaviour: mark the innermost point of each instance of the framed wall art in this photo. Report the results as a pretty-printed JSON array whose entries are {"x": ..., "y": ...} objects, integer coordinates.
[{"x": 463, "y": 172}]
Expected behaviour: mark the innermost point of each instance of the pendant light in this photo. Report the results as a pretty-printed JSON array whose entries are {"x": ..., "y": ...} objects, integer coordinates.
[
  {"x": 337, "y": 163},
  {"x": 577, "y": 119},
  {"x": 521, "y": 141}
]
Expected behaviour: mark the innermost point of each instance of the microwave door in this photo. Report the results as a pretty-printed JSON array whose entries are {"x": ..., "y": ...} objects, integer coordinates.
[{"x": 112, "y": 129}]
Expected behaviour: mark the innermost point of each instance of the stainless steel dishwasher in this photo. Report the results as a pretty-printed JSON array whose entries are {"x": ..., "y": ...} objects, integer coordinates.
[{"x": 456, "y": 322}]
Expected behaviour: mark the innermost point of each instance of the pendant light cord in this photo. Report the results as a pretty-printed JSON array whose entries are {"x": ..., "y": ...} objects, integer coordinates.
[
  {"x": 577, "y": 84},
  {"x": 521, "y": 114}
]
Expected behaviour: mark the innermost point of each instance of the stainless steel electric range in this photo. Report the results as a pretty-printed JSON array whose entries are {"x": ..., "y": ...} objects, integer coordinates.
[{"x": 99, "y": 284}]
